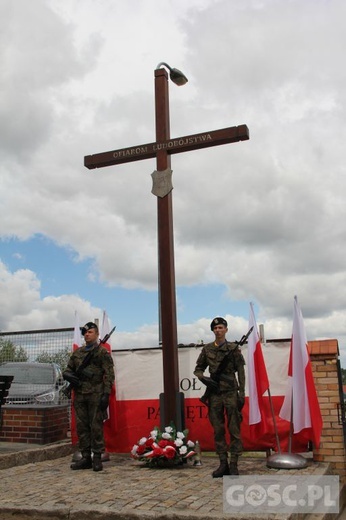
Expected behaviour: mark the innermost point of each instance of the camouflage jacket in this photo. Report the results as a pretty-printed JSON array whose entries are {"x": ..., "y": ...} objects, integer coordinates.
[
  {"x": 212, "y": 355},
  {"x": 98, "y": 375}
]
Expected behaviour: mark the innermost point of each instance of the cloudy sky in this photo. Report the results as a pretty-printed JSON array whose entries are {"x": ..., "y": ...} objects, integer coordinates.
[{"x": 260, "y": 220}]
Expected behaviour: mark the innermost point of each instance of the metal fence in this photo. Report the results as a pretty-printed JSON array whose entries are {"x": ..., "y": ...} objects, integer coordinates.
[
  {"x": 35, "y": 344},
  {"x": 36, "y": 359}
]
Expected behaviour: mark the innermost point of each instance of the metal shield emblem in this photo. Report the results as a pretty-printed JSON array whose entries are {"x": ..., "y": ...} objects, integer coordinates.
[{"x": 162, "y": 182}]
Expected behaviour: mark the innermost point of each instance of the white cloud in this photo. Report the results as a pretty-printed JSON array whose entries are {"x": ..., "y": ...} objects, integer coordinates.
[
  {"x": 265, "y": 217},
  {"x": 23, "y": 308}
]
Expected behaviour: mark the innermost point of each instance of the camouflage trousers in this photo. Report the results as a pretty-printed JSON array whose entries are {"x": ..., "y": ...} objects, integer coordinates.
[
  {"x": 223, "y": 410},
  {"x": 89, "y": 423}
]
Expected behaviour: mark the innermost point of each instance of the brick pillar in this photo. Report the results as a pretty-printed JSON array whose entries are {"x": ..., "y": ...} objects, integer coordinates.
[
  {"x": 34, "y": 424},
  {"x": 324, "y": 355}
]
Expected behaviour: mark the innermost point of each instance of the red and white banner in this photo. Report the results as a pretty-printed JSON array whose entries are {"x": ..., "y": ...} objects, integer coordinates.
[
  {"x": 134, "y": 404},
  {"x": 139, "y": 382},
  {"x": 301, "y": 403}
]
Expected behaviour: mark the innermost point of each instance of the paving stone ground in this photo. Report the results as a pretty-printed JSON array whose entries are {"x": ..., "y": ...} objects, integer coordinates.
[{"x": 36, "y": 489}]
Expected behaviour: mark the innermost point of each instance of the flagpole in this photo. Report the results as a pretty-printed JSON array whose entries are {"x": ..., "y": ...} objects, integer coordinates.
[
  {"x": 274, "y": 421},
  {"x": 291, "y": 427}
]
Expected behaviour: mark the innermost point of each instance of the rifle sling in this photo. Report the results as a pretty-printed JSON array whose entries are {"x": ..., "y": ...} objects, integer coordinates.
[
  {"x": 222, "y": 364},
  {"x": 225, "y": 359},
  {"x": 86, "y": 361}
]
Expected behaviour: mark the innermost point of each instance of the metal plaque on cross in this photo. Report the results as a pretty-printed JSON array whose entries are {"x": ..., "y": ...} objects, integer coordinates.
[{"x": 162, "y": 182}]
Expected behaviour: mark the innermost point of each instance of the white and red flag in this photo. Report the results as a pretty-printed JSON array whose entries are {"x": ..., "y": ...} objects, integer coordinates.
[
  {"x": 76, "y": 333},
  {"x": 258, "y": 382},
  {"x": 300, "y": 403}
]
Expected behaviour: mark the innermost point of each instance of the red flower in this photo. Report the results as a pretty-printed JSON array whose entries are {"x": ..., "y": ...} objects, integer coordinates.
[
  {"x": 149, "y": 442},
  {"x": 141, "y": 449},
  {"x": 163, "y": 443},
  {"x": 158, "y": 451},
  {"x": 169, "y": 452}
]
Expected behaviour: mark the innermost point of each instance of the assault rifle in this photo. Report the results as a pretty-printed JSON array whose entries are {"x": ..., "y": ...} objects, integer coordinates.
[
  {"x": 218, "y": 375},
  {"x": 74, "y": 377}
]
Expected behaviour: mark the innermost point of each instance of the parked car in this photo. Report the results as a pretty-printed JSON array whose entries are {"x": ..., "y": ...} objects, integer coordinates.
[{"x": 34, "y": 383}]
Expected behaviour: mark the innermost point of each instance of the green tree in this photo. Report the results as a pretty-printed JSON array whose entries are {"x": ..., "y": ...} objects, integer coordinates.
[
  {"x": 60, "y": 358},
  {"x": 343, "y": 376},
  {"x": 10, "y": 352}
]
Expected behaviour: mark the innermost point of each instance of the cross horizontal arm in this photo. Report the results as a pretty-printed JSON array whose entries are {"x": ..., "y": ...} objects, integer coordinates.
[{"x": 178, "y": 145}]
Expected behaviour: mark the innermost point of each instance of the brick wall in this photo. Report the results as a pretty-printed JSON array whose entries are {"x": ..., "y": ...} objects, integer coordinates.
[
  {"x": 324, "y": 355},
  {"x": 34, "y": 424}
]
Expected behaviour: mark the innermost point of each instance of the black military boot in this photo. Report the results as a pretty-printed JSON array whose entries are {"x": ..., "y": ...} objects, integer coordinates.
[
  {"x": 97, "y": 463},
  {"x": 223, "y": 469},
  {"x": 83, "y": 463},
  {"x": 233, "y": 465}
]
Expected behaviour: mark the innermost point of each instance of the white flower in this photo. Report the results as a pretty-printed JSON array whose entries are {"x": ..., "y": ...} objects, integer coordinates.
[
  {"x": 183, "y": 450},
  {"x": 180, "y": 435},
  {"x": 134, "y": 449},
  {"x": 168, "y": 429},
  {"x": 166, "y": 435},
  {"x": 190, "y": 444},
  {"x": 153, "y": 434},
  {"x": 178, "y": 442},
  {"x": 142, "y": 441}
]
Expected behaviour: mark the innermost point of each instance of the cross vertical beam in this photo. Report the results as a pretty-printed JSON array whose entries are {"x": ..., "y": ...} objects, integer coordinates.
[{"x": 167, "y": 293}]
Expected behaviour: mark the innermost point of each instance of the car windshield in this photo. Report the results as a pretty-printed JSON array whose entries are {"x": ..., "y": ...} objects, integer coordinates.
[{"x": 29, "y": 374}]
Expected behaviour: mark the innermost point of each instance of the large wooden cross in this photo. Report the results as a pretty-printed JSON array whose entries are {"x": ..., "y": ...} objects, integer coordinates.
[{"x": 162, "y": 149}]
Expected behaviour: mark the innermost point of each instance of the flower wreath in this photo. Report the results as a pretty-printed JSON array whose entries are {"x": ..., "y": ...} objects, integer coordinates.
[{"x": 163, "y": 446}]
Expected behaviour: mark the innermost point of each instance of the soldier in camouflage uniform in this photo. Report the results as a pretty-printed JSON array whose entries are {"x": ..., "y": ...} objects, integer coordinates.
[
  {"x": 92, "y": 388},
  {"x": 225, "y": 398}
]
